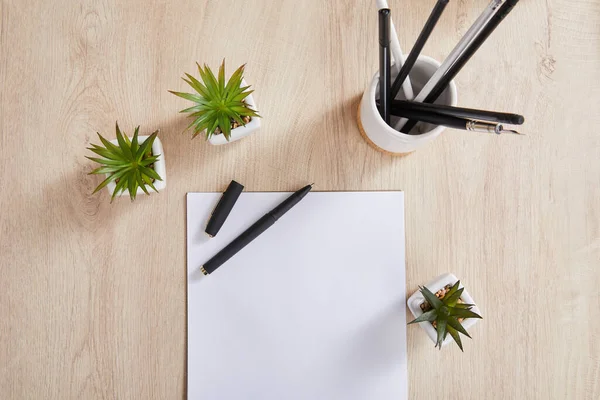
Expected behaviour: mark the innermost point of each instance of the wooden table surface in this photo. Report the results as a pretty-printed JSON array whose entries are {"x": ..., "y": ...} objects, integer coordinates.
[{"x": 93, "y": 295}]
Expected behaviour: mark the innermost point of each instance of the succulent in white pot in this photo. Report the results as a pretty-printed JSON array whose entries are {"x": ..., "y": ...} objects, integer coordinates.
[
  {"x": 444, "y": 309},
  {"x": 224, "y": 110},
  {"x": 131, "y": 165}
]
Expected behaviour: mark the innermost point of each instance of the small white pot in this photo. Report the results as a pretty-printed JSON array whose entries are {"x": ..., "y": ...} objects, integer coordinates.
[
  {"x": 385, "y": 138},
  {"x": 240, "y": 131},
  {"x": 159, "y": 167},
  {"x": 414, "y": 305}
]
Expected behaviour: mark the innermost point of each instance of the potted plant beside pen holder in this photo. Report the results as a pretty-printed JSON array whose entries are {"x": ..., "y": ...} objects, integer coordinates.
[
  {"x": 386, "y": 138},
  {"x": 130, "y": 166},
  {"x": 224, "y": 111},
  {"x": 444, "y": 309}
]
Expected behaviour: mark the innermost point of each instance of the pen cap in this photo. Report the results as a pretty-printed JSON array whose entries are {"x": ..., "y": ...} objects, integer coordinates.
[
  {"x": 384, "y": 27},
  {"x": 223, "y": 208}
]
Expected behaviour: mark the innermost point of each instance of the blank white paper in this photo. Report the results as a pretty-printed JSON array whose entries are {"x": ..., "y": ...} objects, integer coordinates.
[{"x": 313, "y": 309}]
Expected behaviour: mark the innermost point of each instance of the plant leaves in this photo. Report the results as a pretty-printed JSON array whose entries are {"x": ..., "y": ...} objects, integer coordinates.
[
  {"x": 463, "y": 313},
  {"x": 132, "y": 185},
  {"x": 150, "y": 172},
  {"x": 456, "y": 337},
  {"x": 220, "y": 103},
  {"x": 194, "y": 109},
  {"x": 125, "y": 147},
  {"x": 210, "y": 81},
  {"x": 425, "y": 317},
  {"x": 105, "y": 170},
  {"x": 241, "y": 96},
  {"x": 103, "y": 152},
  {"x": 118, "y": 189},
  {"x": 150, "y": 160},
  {"x": 198, "y": 87},
  {"x": 147, "y": 145},
  {"x": 225, "y": 126},
  {"x": 454, "y": 323},
  {"x": 236, "y": 79},
  {"x": 188, "y": 96},
  {"x": 140, "y": 181},
  {"x": 464, "y": 305},
  {"x": 453, "y": 289},
  {"x": 104, "y": 183},
  {"x": 111, "y": 147},
  {"x": 134, "y": 141},
  {"x": 149, "y": 182},
  {"x": 106, "y": 161},
  {"x": 450, "y": 301},
  {"x": 431, "y": 298},
  {"x": 222, "y": 78},
  {"x": 441, "y": 331}
]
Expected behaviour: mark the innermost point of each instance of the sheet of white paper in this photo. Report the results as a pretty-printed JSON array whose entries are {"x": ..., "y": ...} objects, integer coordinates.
[{"x": 313, "y": 309}]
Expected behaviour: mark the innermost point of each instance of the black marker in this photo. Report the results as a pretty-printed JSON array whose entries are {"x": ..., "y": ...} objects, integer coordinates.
[
  {"x": 385, "y": 79},
  {"x": 254, "y": 231}
]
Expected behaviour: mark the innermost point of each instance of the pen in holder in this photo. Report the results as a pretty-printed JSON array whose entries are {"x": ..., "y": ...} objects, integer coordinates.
[{"x": 385, "y": 138}]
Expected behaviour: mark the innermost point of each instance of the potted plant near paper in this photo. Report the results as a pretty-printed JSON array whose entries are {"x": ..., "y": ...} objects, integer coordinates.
[
  {"x": 444, "y": 307},
  {"x": 224, "y": 111},
  {"x": 130, "y": 165}
]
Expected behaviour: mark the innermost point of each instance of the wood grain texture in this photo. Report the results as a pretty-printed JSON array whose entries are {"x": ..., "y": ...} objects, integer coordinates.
[{"x": 92, "y": 295}]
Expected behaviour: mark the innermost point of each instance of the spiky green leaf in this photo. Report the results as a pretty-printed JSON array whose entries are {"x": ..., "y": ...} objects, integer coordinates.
[
  {"x": 144, "y": 147},
  {"x": 464, "y": 305},
  {"x": 427, "y": 316},
  {"x": 431, "y": 298},
  {"x": 441, "y": 331},
  {"x": 453, "y": 288},
  {"x": 463, "y": 313},
  {"x": 452, "y": 300},
  {"x": 188, "y": 96},
  {"x": 454, "y": 323},
  {"x": 455, "y": 336},
  {"x": 123, "y": 144}
]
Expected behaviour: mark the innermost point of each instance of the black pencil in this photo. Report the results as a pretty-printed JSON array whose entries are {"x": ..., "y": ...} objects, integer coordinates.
[
  {"x": 384, "y": 64},
  {"x": 432, "y": 21},
  {"x": 453, "y": 122},
  {"x": 486, "y": 31},
  {"x": 471, "y": 113}
]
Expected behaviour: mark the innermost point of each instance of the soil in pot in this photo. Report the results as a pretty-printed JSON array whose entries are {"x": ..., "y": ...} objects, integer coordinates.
[{"x": 234, "y": 124}]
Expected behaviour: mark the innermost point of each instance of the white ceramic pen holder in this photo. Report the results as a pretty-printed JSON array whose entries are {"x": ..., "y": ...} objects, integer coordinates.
[{"x": 384, "y": 137}]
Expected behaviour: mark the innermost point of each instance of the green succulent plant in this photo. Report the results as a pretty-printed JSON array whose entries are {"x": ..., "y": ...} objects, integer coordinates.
[
  {"x": 218, "y": 103},
  {"x": 446, "y": 313},
  {"x": 128, "y": 164}
]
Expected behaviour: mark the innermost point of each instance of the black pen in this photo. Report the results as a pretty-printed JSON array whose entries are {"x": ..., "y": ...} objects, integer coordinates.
[
  {"x": 398, "y": 106},
  {"x": 480, "y": 39},
  {"x": 385, "y": 79},
  {"x": 254, "y": 231},
  {"x": 432, "y": 21},
  {"x": 454, "y": 122}
]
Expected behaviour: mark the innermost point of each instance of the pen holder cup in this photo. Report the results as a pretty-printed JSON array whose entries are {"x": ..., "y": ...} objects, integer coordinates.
[{"x": 384, "y": 137}]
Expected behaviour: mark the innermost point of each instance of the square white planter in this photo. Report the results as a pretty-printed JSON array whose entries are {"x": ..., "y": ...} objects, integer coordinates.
[
  {"x": 414, "y": 305},
  {"x": 159, "y": 167},
  {"x": 241, "y": 131}
]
